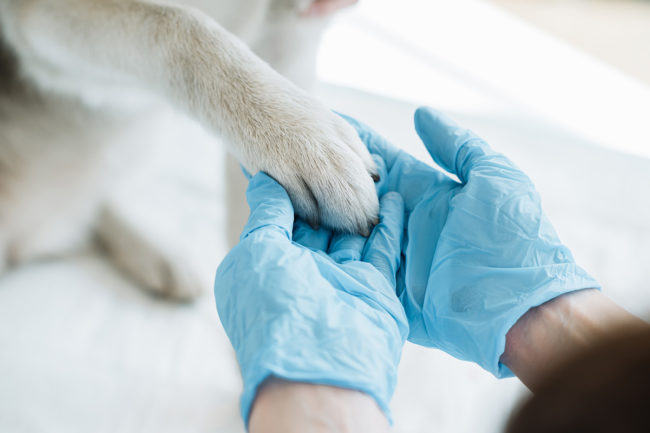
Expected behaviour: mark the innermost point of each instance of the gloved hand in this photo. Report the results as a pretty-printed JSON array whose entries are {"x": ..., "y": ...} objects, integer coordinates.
[
  {"x": 477, "y": 254},
  {"x": 303, "y": 307}
]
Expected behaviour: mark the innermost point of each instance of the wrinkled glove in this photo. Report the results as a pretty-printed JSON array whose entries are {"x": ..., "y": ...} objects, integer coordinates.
[
  {"x": 308, "y": 307},
  {"x": 479, "y": 253}
]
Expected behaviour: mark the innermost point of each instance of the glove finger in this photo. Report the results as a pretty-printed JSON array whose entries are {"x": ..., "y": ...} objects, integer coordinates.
[
  {"x": 454, "y": 148},
  {"x": 376, "y": 143},
  {"x": 383, "y": 249},
  {"x": 305, "y": 235},
  {"x": 269, "y": 204},
  {"x": 345, "y": 247}
]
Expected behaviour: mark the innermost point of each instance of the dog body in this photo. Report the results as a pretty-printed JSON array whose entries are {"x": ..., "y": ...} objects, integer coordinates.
[{"x": 84, "y": 86}]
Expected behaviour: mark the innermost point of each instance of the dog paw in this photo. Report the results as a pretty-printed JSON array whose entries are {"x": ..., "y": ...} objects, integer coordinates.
[{"x": 319, "y": 159}]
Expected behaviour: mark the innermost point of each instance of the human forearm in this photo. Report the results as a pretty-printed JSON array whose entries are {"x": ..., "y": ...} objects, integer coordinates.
[
  {"x": 554, "y": 331},
  {"x": 291, "y": 407}
]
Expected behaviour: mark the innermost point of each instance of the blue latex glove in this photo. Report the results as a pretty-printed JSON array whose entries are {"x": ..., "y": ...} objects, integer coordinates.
[
  {"x": 303, "y": 307},
  {"x": 477, "y": 254}
]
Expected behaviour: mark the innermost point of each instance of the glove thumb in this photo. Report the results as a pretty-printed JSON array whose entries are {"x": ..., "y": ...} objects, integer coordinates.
[
  {"x": 269, "y": 204},
  {"x": 459, "y": 150},
  {"x": 444, "y": 139}
]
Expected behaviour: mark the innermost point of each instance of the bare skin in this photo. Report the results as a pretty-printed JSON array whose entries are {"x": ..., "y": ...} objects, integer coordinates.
[
  {"x": 289, "y": 407},
  {"x": 542, "y": 338},
  {"x": 559, "y": 329}
]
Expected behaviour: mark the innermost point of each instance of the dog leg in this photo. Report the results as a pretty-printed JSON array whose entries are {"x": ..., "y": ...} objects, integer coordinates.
[
  {"x": 184, "y": 56},
  {"x": 163, "y": 265}
]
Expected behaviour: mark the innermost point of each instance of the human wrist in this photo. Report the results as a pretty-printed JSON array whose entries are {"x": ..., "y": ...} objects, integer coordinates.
[
  {"x": 558, "y": 329},
  {"x": 292, "y": 407}
]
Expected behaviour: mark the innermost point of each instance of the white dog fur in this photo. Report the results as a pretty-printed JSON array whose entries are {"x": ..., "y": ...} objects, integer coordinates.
[{"x": 82, "y": 83}]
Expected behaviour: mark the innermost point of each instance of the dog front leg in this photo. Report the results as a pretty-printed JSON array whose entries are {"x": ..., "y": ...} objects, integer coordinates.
[
  {"x": 176, "y": 52},
  {"x": 191, "y": 61}
]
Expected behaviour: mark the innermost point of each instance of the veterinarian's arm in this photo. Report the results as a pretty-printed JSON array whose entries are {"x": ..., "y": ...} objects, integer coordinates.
[
  {"x": 287, "y": 407},
  {"x": 309, "y": 306},
  {"x": 559, "y": 329}
]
